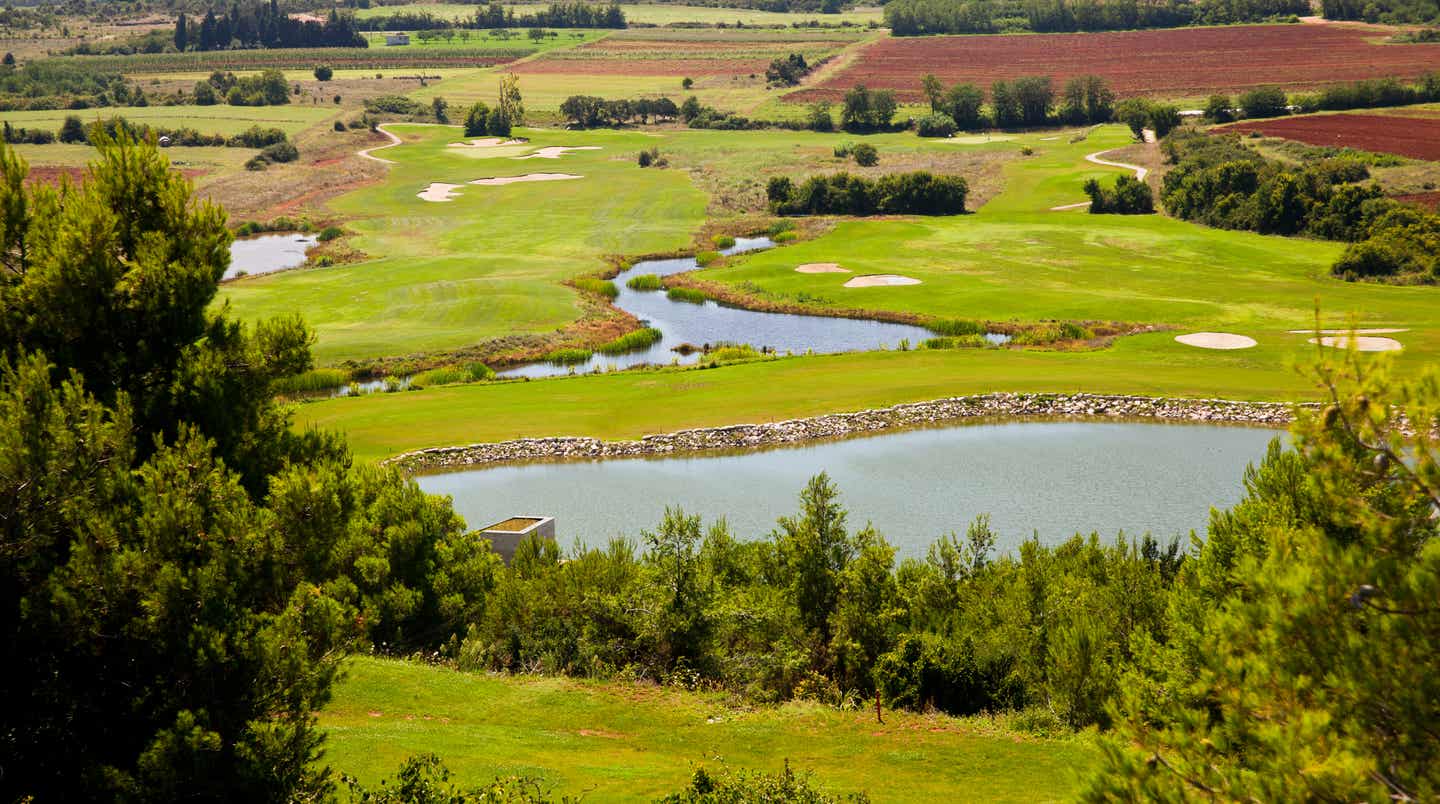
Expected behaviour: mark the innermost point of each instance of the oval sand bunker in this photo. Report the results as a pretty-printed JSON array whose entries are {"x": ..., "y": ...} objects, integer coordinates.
[
  {"x": 1362, "y": 344},
  {"x": 486, "y": 142},
  {"x": 438, "y": 191},
  {"x": 1216, "y": 340},
  {"x": 557, "y": 151},
  {"x": 880, "y": 281},
  {"x": 821, "y": 268},
  {"x": 499, "y": 180}
]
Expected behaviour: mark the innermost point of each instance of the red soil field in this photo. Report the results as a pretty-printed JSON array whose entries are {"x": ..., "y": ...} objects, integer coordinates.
[
  {"x": 52, "y": 174},
  {"x": 1181, "y": 62},
  {"x": 671, "y": 67},
  {"x": 1430, "y": 200},
  {"x": 1415, "y": 137}
]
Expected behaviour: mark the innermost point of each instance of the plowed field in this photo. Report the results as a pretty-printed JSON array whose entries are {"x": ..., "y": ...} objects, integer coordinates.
[
  {"x": 1183, "y": 62},
  {"x": 1415, "y": 137}
]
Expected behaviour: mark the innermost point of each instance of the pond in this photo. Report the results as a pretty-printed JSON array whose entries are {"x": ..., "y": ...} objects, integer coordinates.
[
  {"x": 1050, "y": 479},
  {"x": 713, "y": 323},
  {"x": 268, "y": 253}
]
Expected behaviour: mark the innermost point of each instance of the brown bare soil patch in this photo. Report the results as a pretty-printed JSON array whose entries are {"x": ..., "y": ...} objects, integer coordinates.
[
  {"x": 1415, "y": 137},
  {"x": 1179, "y": 62},
  {"x": 1430, "y": 200},
  {"x": 328, "y": 167}
]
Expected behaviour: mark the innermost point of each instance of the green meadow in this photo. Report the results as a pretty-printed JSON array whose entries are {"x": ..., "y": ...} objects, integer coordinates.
[
  {"x": 625, "y": 742},
  {"x": 490, "y": 262}
]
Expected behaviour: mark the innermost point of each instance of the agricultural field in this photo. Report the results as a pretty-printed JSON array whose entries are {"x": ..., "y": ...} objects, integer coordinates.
[
  {"x": 375, "y": 58},
  {"x": 1413, "y": 137},
  {"x": 1176, "y": 63},
  {"x": 688, "y": 53},
  {"x": 513, "y": 39},
  {"x": 616, "y": 741},
  {"x": 655, "y": 14}
]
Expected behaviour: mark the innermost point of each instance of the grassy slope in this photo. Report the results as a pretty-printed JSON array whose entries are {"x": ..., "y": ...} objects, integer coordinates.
[
  {"x": 647, "y": 13},
  {"x": 632, "y": 404},
  {"x": 627, "y": 742},
  {"x": 488, "y": 263},
  {"x": 218, "y": 119}
]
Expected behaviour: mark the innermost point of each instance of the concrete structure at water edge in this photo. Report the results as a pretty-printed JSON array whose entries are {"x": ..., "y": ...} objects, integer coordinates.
[
  {"x": 506, "y": 536},
  {"x": 397, "y": 39}
]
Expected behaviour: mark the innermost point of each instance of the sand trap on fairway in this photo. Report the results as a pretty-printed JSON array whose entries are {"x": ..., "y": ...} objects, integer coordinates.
[
  {"x": 1363, "y": 344},
  {"x": 557, "y": 151},
  {"x": 486, "y": 142},
  {"x": 1381, "y": 331},
  {"x": 1216, "y": 340},
  {"x": 498, "y": 180},
  {"x": 439, "y": 191},
  {"x": 821, "y": 268},
  {"x": 880, "y": 280},
  {"x": 1076, "y": 205}
]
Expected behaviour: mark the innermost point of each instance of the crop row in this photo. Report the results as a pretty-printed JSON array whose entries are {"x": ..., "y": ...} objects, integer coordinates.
[
  {"x": 1418, "y": 138},
  {"x": 1184, "y": 62},
  {"x": 293, "y": 58}
]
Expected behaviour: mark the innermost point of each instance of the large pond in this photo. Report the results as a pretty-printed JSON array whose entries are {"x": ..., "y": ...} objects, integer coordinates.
[
  {"x": 268, "y": 253},
  {"x": 712, "y": 323},
  {"x": 1051, "y": 479}
]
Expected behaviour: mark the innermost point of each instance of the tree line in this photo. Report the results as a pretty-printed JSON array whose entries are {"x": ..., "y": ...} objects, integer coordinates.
[
  {"x": 1389, "y": 12},
  {"x": 917, "y": 193},
  {"x": 923, "y": 17},
  {"x": 1219, "y": 182},
  {"x": 75, "y": 131},
  {"x": 588, "y": 111},
  {"x": 495, "y": 15},
  {"x": 264, "y": 25}
]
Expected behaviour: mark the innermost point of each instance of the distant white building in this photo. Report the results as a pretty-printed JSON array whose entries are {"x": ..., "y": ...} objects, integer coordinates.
[{"x": 397, "y": 39}]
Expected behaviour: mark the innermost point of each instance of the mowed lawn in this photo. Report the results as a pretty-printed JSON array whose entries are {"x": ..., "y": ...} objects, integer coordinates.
[
  {"x": 217, "y": 119},
  {"x": 488, "y": 263},
  {"x": 625, "y": 742}
]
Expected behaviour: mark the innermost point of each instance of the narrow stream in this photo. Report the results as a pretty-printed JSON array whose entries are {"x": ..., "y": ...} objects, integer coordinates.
[{"x": 713, "y": 323}]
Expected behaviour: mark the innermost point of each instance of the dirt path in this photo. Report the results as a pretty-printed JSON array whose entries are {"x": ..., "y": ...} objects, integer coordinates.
[
  {"x": 394, "y": 141},
  {"x": 1140, "y": 172}
]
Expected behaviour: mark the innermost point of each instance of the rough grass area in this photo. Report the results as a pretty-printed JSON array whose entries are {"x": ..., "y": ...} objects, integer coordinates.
[{"x": 624, "y": 742}]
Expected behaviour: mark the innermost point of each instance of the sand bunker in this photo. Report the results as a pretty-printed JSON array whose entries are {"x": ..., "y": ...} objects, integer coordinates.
[
  {"x": 821, "y": 268},
  {"x": 499, "y": 180},
  {"x": 439, "y": 191},
  {"x": 880, "y": 280},
  {"x": 486, "y": 142},
  {"x": 1076, "y": 205},
  {"x": 557, "y": 151},
  {"x": 1381, "y": 331},
  {"x": 1362, "y": 344},
  {"x": 1216, "y": 340}
]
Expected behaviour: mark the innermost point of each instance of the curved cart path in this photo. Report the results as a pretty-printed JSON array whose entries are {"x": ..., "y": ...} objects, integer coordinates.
[
  {"x": 1140, "y": 172},
  {"x": 394, "y": 141}
]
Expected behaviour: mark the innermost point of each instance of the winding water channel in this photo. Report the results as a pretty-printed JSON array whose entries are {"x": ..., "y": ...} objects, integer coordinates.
[
  {"x": 1052, "y": 479},
  {"x": 713, "y": 323}
]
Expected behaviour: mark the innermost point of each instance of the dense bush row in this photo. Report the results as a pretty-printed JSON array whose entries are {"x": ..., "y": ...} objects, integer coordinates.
[
  {"x": 1130, "y": 196},
  {"x": 918, "y": 193},
  {"x": 73, "y": 130},
  {"x": 588, "y": 111},
  {"x": 1028, "y": 101},
  {"x": 920, "y": 17},
  {"x": 1219, "y": 182},
  {"x": 1391, "y": 12}
]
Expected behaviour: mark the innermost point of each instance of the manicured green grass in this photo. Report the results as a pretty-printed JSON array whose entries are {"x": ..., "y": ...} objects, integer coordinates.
[
  {"x": 490, "y": 262},
  {"x": 632, "y": 404},
  {"x": 217, "y": 119},
  {"x": 624, "y": 742}
]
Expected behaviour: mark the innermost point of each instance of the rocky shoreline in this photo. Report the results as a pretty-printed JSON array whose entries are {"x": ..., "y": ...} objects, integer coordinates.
[{"x": 1001, "y": 406}]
